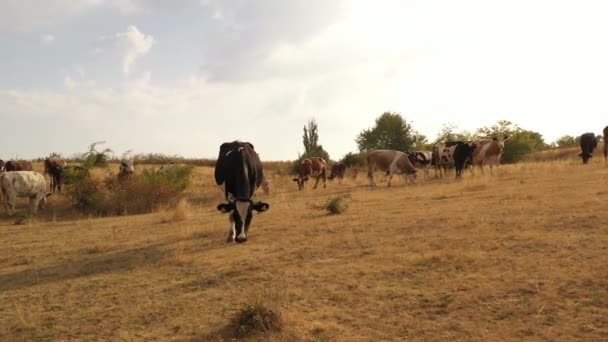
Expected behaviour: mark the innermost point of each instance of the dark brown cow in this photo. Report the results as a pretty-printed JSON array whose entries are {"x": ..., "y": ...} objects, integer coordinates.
[
  {"x": 311, "y": 167},
  {"x": 337, "y": 170},
  {"x": 605, "y": 144},
  {"x": 18, "y": 165},
  {"x": 54, "y": 168},
  {"x": 588, "y": 144}
]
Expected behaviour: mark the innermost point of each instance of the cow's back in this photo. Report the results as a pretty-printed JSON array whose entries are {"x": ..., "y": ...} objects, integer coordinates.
[
  {"x": 239, "y": 169},
  {"x": 23, "y": 183},
  {"x": 381, "y": 159}
]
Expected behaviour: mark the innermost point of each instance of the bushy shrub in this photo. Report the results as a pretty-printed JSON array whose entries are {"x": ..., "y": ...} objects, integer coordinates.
[{"x": 145, "y": 193}]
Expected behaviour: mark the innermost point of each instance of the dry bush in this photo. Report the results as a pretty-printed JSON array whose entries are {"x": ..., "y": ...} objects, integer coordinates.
[{"x": 262, "y": 316}]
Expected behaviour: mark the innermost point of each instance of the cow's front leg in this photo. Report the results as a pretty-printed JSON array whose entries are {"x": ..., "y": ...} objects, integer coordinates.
[{"x": 231, "y": 231}]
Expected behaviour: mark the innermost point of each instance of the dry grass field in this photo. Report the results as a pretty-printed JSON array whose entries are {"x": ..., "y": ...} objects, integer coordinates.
[{"x": 522, "y": 255}]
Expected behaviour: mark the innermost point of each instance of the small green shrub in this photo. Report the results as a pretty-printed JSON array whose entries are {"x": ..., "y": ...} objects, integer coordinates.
[{"x": 336, "y": 205}]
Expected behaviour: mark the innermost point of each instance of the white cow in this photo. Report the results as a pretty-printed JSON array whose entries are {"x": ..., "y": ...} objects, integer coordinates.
[{"x": 28, "y": 184}]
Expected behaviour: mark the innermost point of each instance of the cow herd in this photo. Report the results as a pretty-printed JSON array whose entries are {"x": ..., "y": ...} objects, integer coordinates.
[{"x": 239, "y": 173}]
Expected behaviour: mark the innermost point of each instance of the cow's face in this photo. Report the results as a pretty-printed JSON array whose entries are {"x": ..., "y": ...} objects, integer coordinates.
[
  {"x": 241, "y": 215},
  {"x": 127, "y": 167},
  {"x": 585, "y": 156},
  {"x": 301, "y": 181}
]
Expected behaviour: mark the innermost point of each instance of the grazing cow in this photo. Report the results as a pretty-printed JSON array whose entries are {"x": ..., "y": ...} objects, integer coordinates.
[
  {"x": 28, "y": 184},
  {"x": 463, "y": 154},
  {"x": 337, "y": 170},
  {"x": 421, "y": 159},
  {"x": 125, "y": 171},
  {"x": 588, "y": 144},
  {"x": 443, "y": 155},
  {"x": 393, "y": 162},
  {"x": 489, "y": 151},
  {"x": 18, "y": 165},
  {"x": 605, "y": 144},
  {"x": 239, "y": 172},
  {"x": 54, "y": 168},
  {"x": 311, "y": 167}
]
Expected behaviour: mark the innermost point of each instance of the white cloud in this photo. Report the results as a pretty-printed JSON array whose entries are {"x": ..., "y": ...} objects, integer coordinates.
[
  {"x": 47, "y": 39},
  {"x": 29, "y": 15},
  {"x": 70, "y": 83},
  {"x": 135, "y": 44}
]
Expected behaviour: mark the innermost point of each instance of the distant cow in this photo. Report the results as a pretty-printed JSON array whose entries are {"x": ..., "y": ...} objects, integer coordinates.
[
  {"x": 239, "y": 172},
  {"x": 23, "y": 184},
  {"x": 463, "y": 154},
  {"x": 311, "y": 167},
  {"x": 605, "y": 144},
  {"x": 444, "y": 156},
  {"x": 267, "y": 186},
  {"x": 18, "y": 165},
  {"x": 394, "y": 162},
  {"x": 126, "y": 170},
  {"x": 422, "y": 160},
  {"x": 337, "y": 170},
  {"x": 354, "y": 172},
  {"x": 588, "y": 144},
  {"x": 54, "y": 168},
  {"x": 489, "y": 151}
]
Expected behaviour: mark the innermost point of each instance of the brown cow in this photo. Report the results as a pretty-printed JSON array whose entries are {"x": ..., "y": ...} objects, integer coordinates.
[
  {"x": 311, "y": 167},
  {"x": 337, "y": 170},
  {"x": 605, "y": 144},
  {"x": 394, "y": 162},
  {"x": 18, "y": 165},
  {"x": 54, "y": 168}
]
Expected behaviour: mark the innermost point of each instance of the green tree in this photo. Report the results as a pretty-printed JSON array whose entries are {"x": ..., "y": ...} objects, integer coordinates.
[
  {"x": 449, "y": 133},
  {"x": 566, "y": 140},
  {"x": 354, "y": 159},
  {"x": 94, "y": 158},
  {"x": 310, "y": 140},
  {"x": 391, "y": 132},
  {"x": 502, "y": 128}
]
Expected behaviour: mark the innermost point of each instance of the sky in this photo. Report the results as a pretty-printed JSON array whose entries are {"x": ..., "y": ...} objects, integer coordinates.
[{"x": 182, "y": 77}]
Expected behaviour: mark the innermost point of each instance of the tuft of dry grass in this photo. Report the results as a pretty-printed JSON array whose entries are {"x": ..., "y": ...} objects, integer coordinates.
[{"x": 181, "y": 212}]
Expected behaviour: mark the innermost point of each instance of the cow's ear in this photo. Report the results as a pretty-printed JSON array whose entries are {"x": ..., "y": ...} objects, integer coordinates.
[
  {"x": 260, "y": 206},
  {"x": 580, "y": 154},
  {"x": 225, "y": 207},
  {"x": 305, "y": 179},
  {"x": 295, "y": 179}
]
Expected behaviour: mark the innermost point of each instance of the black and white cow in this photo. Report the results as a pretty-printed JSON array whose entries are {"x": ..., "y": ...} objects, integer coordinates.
[
  {"x": 445, "y": 156},
  {"x": 422, "y": 160},
  {"x": 239, "y": 172}
]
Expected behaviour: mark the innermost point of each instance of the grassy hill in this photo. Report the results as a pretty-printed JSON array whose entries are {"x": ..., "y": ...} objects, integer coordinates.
[{"x": 522, "y": 255}]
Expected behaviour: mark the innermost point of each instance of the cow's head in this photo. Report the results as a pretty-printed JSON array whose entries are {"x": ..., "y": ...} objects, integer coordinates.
[
  {"x": 241, "y": 214},
  {"x": 301, "y": 181},
  {"x": 585, "y": 156},
  {"x": 126, "y": 166}
]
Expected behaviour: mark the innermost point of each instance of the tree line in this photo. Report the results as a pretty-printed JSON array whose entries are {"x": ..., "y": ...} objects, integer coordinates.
[{"x": 393, "y": 132}]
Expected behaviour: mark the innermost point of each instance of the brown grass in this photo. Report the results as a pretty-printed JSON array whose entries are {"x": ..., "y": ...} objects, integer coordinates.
[{"x": 516, "y": 256}]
